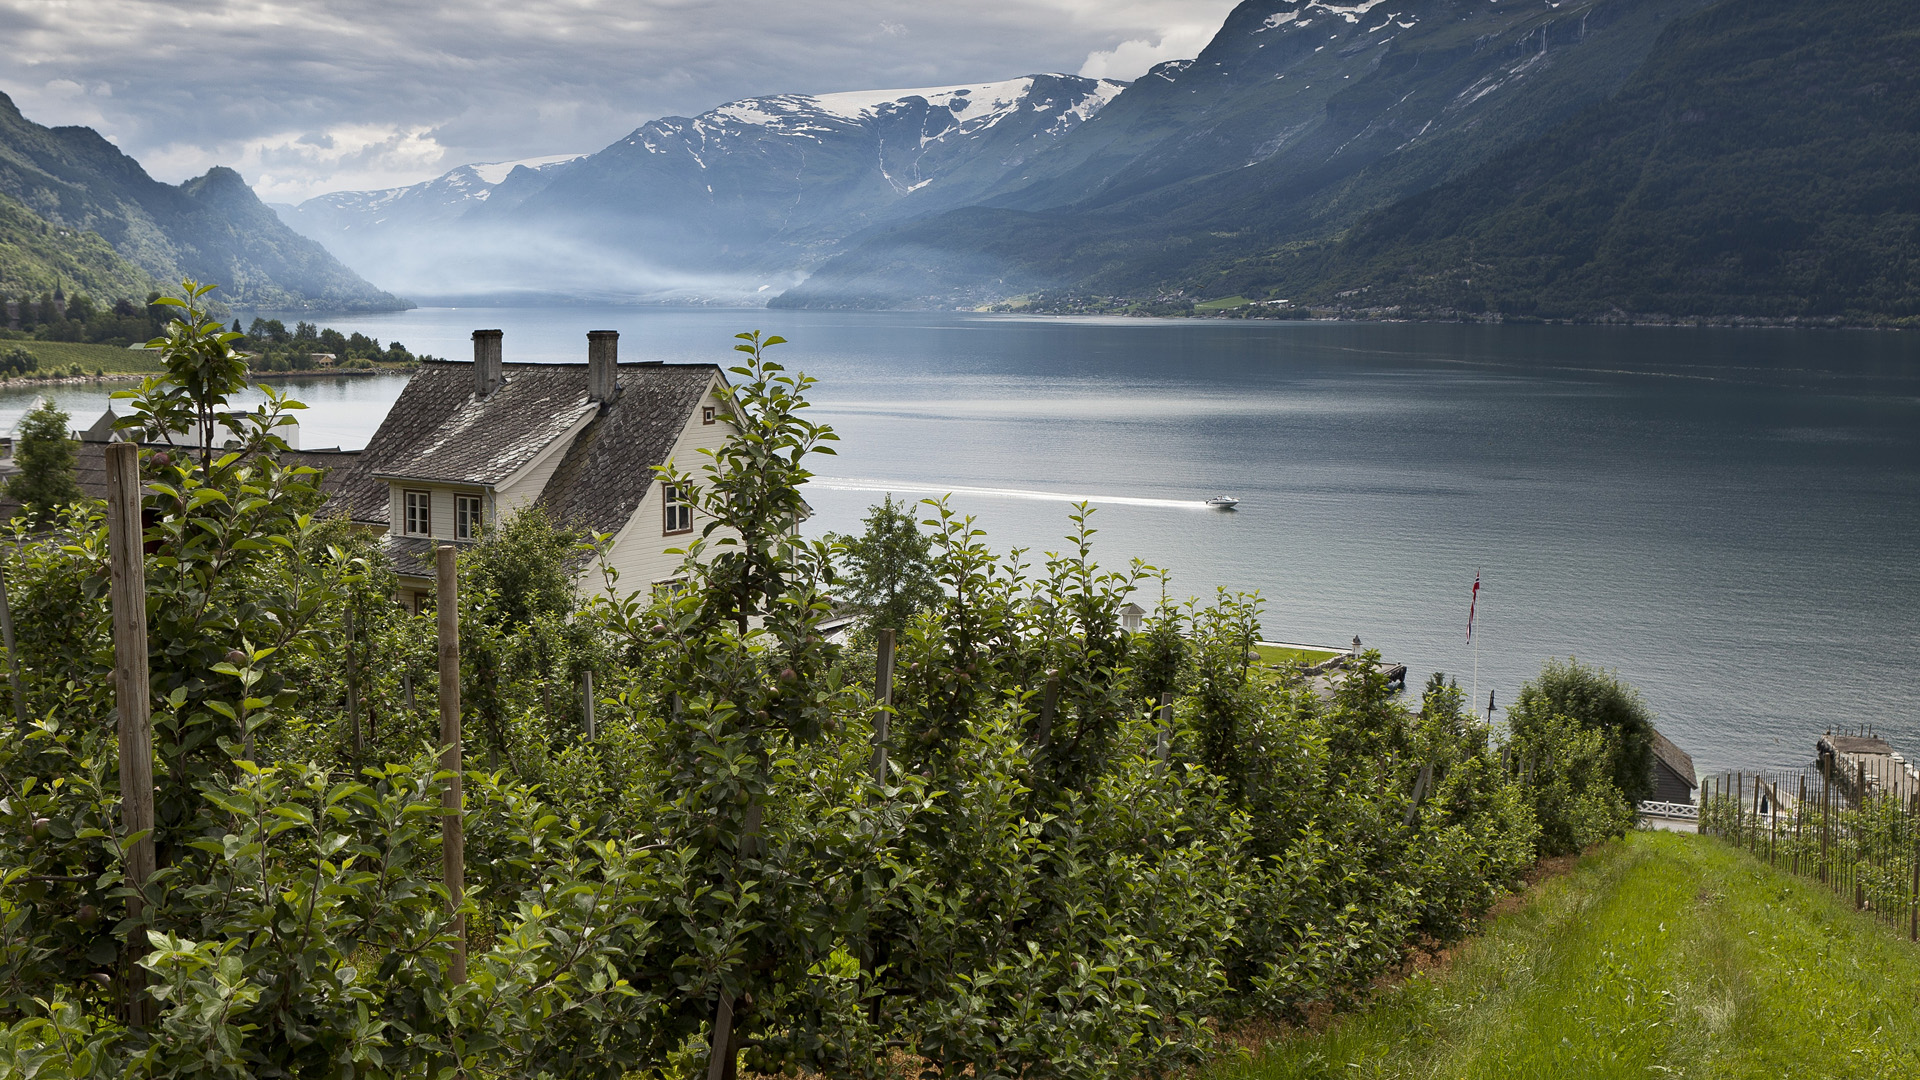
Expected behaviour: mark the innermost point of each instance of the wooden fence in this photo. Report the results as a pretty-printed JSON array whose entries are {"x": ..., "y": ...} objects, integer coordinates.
[{"x": 1835, "y": 825}]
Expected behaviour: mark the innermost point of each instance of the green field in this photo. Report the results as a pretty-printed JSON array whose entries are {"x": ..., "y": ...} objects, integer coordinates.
[
  {"x": 112, "y": 359},
  {"x": 1664, "y": 955},
  {"x": 1223, "y": 303},
  {"x": 1274, "y": 654}
]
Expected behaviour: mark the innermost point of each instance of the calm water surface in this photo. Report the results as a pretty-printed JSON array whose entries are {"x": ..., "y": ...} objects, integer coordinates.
[{"x": 1726, "y": 517}]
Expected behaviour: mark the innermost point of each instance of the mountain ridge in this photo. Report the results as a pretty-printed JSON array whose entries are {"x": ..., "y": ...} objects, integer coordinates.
[
  {"x": 212, "y": 227},
  {"x": 735, "y": 200}
]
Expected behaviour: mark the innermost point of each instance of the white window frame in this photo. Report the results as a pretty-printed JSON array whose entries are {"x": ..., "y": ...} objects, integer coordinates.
[
  {"x": 676, "y": 513},
  {"x": 469, "y": 517},
  {"x": 410, "y": 500}
]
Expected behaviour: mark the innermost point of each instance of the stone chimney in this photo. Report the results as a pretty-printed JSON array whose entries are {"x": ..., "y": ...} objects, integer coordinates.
[
  {"x": 603, "y": 359},
  {"x": 486, "y": 362}
]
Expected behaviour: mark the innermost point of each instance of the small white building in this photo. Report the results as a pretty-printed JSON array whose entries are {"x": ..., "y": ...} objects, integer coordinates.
[{"x": 469, "y": 444}]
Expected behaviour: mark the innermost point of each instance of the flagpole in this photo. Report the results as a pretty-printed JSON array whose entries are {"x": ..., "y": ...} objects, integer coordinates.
[{"x": 1472, "y": 609}]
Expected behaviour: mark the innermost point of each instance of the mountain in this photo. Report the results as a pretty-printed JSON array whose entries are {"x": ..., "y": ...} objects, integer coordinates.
[
  {"x": 1764, "y": 162},
  {"x": 212, "y": 228},
  {"x": 1298, "y": 118},
  {"x": 724, "y": 205},
  {"x": 38, "y": 257}
]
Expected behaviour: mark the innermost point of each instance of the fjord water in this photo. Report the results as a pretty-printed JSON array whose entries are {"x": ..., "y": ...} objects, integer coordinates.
[{"x": 1726, "y": 517}]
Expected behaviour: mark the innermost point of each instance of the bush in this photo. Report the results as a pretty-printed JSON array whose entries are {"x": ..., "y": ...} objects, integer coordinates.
[{"x": 1049, "y": 879}]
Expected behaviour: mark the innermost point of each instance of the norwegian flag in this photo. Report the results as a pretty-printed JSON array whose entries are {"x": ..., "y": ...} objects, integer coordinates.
[{"x": 1473, "y": 606}]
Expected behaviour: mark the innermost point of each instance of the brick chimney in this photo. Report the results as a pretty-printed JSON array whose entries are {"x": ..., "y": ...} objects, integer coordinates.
[
  {"x": 486, "y": 362},
  {"x": 603, "y": 358}
]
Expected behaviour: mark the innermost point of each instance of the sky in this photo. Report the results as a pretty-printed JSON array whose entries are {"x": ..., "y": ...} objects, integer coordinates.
[{"x": 327, "y": 95}]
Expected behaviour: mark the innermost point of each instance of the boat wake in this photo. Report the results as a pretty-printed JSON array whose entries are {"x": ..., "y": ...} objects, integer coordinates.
[{"x": 835, "y": 483}]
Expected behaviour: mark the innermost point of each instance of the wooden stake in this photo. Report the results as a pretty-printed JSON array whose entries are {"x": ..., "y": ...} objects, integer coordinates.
[
  {"x": 883, "y": 699},
  {"x": 1166, "y": 732},
  {"x": 1049, "y": 701},
  {"x": 719, "y": 1060},
  {"x": 13, "y": 655},
  {"x": 586, "y": 692},
  {"x": 1420, "y": 785},
  {"x": 353, "y": 693},
  {"x": 126, "y": 536},
  {"x": 452, "y": 836}
]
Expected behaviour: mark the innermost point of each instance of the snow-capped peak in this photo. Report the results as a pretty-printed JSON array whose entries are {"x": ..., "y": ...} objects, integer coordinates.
[{"x": 492, "y": 172}]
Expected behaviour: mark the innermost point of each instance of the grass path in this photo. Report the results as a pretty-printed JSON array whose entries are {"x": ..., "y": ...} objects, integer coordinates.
[{"x": 1663, "y": 955}]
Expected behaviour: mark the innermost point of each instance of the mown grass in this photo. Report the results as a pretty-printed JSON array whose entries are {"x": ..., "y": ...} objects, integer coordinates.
[
  {"x": 57, "y": 356},
  {"x": 1223, "y": 303},
  {"x": 1276, "y": 654},
  {"x": 1663, "y": 955}
]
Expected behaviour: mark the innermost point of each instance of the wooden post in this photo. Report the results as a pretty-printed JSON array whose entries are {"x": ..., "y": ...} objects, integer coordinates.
[
  {"x": 1826, "y": 821},
  {"x": 1049, "y": 701},
  {"x": 126, "y": 536},
  {"x": 586, "y": 692},
  {"x": 722, "y": 1060},
  {"x": 353, "y": 693},
  {"x": 1799, "y": 820},
  {"x": 1755, "y": 846},
  {"x": 13, "y": 655},
  {"x": 452, "y": 837},
  {"x": 1420, "y": 784},
  {"x": 1166, "y": 731},
  {"x": 883, "y": 700},
  {"x": 719, "y": 1060},
  {"x": 1913, "y": 898}
]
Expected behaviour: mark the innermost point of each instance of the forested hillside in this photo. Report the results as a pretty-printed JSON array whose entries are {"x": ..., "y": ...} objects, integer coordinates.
[
  {"x": 211, "y": 228},
  {"x": 38, "y": 257},
  {"x": 1765, "y": 163}
]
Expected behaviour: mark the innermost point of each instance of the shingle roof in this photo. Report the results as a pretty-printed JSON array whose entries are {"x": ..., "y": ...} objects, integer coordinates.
[
  {"x": 437, "y": 430},
  {"x": 599, "y": 483},
  {"x": 486, "y": 440},
  {"x": 1674, "y": 758}
]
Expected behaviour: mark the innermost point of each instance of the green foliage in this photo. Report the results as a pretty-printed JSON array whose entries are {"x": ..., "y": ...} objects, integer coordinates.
[
  {"x": 1050, "y": 880},
  {"x": 888, "y": 575},
  {"x": 17, "y": 361},
  {"x": 1601, "y": 701},
  {"x": 1566, "y": 769},
  {"x": 43, "y": 450}
]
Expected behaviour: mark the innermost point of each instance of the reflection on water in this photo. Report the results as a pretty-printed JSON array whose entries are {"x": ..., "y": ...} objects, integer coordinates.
[{"x": 1727, "y": 517}]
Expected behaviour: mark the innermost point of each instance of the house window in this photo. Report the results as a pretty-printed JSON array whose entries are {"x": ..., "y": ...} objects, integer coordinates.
[
  {"x": 670, "y": 589},
  {"x": 418, "y": 518},
  {"x": 679, "y": 512},
  {"x": 706, "y": 414},
  {"x": 466, "y": 517}
]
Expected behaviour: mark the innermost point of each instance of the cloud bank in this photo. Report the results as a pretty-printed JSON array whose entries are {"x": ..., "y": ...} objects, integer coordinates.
[{"x": 341, "y": 94}]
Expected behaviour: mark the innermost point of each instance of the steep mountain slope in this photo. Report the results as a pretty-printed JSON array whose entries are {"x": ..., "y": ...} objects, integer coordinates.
[
  {"x": 212, "y": 228},
  {"x": 1765, "y": 162},
  {"x": 37, "y": 257},
  {"x": 1299, "y": 117},
  {"x": 720, "y": 205}
]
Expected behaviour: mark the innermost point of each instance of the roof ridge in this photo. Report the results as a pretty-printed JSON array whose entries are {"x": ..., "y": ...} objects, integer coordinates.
[{"x": 441, "y": 362}]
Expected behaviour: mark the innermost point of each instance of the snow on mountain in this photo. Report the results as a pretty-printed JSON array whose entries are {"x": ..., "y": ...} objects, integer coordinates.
[{"x": 761, "y": 186}]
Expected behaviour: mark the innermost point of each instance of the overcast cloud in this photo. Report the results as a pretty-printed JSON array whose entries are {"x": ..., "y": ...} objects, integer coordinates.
[{"x": 304, "y": 98}]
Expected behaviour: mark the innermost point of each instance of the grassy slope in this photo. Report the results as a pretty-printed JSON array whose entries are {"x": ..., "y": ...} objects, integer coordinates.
[
  {"x": 108, "y": 358},
  {"x": 1663, "y": 955}
]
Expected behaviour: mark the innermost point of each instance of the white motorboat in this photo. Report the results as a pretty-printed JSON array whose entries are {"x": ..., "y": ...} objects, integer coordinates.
[{"x": 1223, "y": 502}]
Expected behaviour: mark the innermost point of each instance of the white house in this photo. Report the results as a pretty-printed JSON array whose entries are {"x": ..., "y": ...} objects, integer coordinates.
[{"x": 468, "y": 444}]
